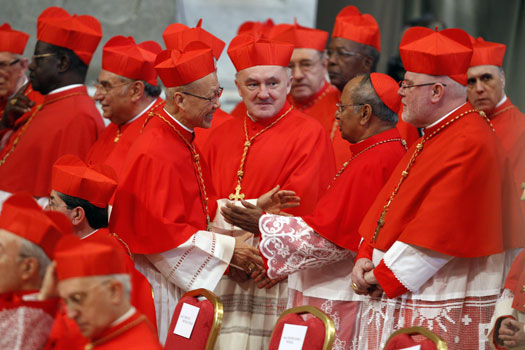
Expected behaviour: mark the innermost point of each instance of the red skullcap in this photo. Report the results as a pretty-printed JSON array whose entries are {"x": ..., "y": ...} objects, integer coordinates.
[
  {"x": 386, "y": 88},
  {"x": 362, "y": 28},
  {"x": 90, "y": 257},
  {"x": 12, "y": 40},
  {"x": 433, "y": 52},
  {"x": 176, "y": 36},
  {"x": 124, "y": 57},
  {"x": 22, "y": 216},
  {"x": 73, "y": 177},
  {"x": 177, "y": 68},
  {"x": 247, "y": 50},
  {"x": 81, "y": 34},
  {"x": 487, "y": 53},
  {"x": 299, "y": 36}
]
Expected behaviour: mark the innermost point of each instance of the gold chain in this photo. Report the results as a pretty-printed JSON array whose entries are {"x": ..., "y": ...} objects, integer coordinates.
[
  {"x": 26, "y": 124},
  {"x": 92, "y": 345},
  {"x": 404, "y": 173},
  {"x": 248, "y": 142},
  {"x": 119, "y": 132},
  {"x": 403, "y": 143},
  {"x": 197, "y": 166}
]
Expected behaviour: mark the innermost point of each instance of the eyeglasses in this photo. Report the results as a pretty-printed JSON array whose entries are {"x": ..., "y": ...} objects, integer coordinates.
[
  {"x": 53, "y": 206},
  {"x": 42, "y": 55},
  {"x": 106, "y": 87},
  {"x": 5, "y": 65},
  {"x": 342, "y": 53},
  {"x": 403, "y": 84},
  {"x": 341, "y": 107},
  {"x": 216, "y": 95},
  {"x": 304, "y": 66}
]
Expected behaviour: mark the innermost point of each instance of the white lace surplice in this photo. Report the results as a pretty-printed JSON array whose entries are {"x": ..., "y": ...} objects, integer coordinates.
[
  {"x": 24, "y": 328},
  {"x": 200, "y": 262},
  {"x": 319, "y": 272}
]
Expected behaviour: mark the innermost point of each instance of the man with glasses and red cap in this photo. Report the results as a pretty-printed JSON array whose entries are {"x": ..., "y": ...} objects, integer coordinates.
[
  {"x": 127, "y": 91},
  {"x": 165, "y": 201},
  {"x": 28, "y": 237},
  {"x": 440, "y": 237},
  {"x": 67, "y": 121},
  {"x": 322, "y": 245},
  {"x": 176, "y": 36},
  {"x": 16, "y": 92}
]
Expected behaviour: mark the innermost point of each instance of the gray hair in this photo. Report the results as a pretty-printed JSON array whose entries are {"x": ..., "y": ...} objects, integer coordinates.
[
  {"x": 29, "y": 249},
  {"x": 122, "y": 278},
  {"x": 365, "y": 93}
]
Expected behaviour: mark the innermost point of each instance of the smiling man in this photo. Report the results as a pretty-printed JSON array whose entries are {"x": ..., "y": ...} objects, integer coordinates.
[
  {"x": 127, "y": 91},
  {"x": 271, "y": 144},
  {"x": 486, "y": 92}
]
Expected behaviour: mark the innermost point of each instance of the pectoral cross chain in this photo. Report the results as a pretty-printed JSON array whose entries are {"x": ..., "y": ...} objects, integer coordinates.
[{"x": 380, "y": 224}]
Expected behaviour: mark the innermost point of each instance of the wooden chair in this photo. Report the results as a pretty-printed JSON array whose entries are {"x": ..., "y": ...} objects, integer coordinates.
[
  {"x": 207, "y": 325},
  {"x": 404, "y": 338},
  {"x": 319, "y": 335}
]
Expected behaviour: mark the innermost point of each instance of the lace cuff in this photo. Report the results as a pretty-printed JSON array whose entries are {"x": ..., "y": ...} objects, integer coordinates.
[{"x": 290, "y": 245}]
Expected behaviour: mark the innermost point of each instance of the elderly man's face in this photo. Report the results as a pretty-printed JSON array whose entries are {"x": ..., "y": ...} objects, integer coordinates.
[
  {"x": 263, "y": 89},
  {"x": 308, "y": 72},
  {"x": 202, "y": 101},
  {"x": 10, "y": 260},
  {"x": 485, "y": 87},
  {"x": 347, "y": 113},
  {"x": 12, "y": 69},
  {"x": 114, "y": 97},
  {"x": 89, "y": 303},
  {"x": 345, "y": 61},
  {"x": 416, "y": 99}
]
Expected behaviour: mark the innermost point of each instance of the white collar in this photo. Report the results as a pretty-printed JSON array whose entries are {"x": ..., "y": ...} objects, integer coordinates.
[
  {"x": 124, "y": 317},
  {"x": 64, "y": 88},
  {"x": 87, "y": 234},
  {"x": 141, "y": 113},
  {"x": 172, "y": 117},
  {"x": 440, "y": 119},
  {"x": 502, "y": 101}
]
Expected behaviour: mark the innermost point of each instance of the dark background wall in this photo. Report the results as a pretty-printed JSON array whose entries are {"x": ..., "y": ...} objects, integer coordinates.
[{"x": 495, "y": 20}]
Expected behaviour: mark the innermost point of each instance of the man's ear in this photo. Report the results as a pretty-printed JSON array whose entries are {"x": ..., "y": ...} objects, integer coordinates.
[
  {"x": 77, "y": 215},
  {"x": 137, "y": 90},
  {"x": 366, "y": 114},
  {"x": 29, "y": 268},
  {"x": 117, "y": 291},
  {"x": 438, "y": 91},
  {"x": 64, "y": 62}
]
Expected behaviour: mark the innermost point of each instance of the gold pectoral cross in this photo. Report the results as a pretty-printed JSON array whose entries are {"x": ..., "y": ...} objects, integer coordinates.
[
  {"x": 523, "y": 194},
  {"x": 237, "y": 195},
  {"x": 380, "y": 224}
]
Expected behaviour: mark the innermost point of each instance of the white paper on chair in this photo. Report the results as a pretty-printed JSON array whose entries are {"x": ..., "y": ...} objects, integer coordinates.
[
  {"x": 186, "y": 321},
  {"x": 417, "y": 347},
  {"x": 292, "y": 337}
]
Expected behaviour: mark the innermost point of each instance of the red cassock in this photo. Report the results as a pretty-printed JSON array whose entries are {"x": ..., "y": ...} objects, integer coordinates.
[
  {"x": 115, "y": 141},
  {"x": 25, "y": 323},
  {"x": 158, "y": 203},
  {"x": 509, "y": 124},
  {"x": 322, "y": 106},
  {"x": 202, "y": 135},
  {"x": 295, "y": 153},
  {"x": 134, "y": 333},
  {"x": 66, "y": 122},
  {"x": 341, "y": 209},
  {"x": 458, "y": 198},
  {"x": 66, "y": 335}
]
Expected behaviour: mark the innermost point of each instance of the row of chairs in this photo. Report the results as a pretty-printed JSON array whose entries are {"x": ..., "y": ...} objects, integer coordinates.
[{"x": 204, "y": 328}]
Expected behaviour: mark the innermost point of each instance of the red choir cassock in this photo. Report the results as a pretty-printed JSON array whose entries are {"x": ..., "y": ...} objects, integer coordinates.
[
  {"x": 295, "y": 153},
  {"x": 339, "y": 212},
  {"x": 508, "y": 121},
  {"x": 66, "y": 122},
  {"x": 122, "y": 56},
  {"x": 101, "y": 256}
]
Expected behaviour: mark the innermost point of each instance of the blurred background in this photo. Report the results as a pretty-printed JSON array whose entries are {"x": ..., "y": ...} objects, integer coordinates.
[{"x": 501, "y": 21}]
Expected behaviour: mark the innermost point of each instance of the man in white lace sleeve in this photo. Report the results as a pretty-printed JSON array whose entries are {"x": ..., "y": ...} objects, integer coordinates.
[
  {"x": 323, "y": 244},
  {"x": 165, "y": 200},
  {"x": 28, "y": 237}
]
